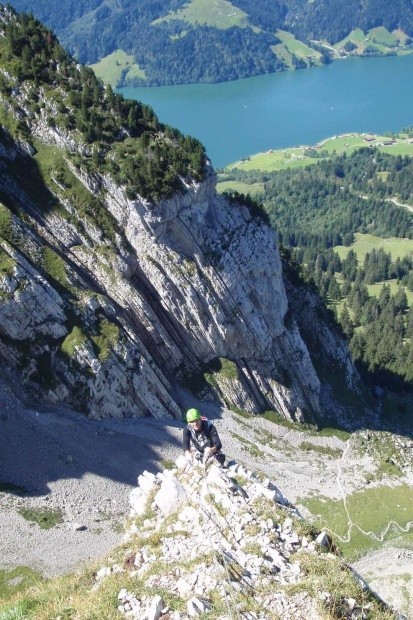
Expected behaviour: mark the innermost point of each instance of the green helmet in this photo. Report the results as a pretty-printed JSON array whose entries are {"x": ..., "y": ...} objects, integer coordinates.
[{"x": 192, "y": 415}]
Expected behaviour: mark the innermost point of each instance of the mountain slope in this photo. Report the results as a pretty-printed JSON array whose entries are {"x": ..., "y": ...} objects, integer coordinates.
[
  {"x": 176, "y": 41},
  {"x": 142, "y": 278}
]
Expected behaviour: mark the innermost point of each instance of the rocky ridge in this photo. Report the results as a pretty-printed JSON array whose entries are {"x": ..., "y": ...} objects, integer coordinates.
[{"x": 224, "y": 543}]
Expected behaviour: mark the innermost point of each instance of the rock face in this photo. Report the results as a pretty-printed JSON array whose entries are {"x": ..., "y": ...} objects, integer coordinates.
[
  {"x": 114, "y": 302},
  {"x": 229, "y": 541},
  {"x": 193, "y": 287}
]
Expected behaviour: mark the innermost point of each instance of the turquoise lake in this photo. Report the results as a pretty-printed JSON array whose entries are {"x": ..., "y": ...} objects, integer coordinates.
[{"x": 236, "y": 119}]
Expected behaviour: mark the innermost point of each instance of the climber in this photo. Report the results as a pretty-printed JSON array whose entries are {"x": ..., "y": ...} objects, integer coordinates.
[{"x": 201, "y": 439}]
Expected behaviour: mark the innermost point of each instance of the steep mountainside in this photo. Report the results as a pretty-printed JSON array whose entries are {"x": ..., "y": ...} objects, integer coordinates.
[
  {"x": 124, "y": 277},
  {"x": 179, "y": 41}
]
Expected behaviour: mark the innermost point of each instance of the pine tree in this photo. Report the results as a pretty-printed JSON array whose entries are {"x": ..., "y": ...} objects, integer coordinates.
[{"x": 346, "y": 322}]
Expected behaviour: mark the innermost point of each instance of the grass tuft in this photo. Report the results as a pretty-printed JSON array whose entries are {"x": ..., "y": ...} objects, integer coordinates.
[{"x": 45, "y": 518}]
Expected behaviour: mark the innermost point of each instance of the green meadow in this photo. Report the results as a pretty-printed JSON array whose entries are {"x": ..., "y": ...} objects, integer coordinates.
[
  {"x": 365, "y": 243},
  {"x": 378, "y": 38},
  {"x": 218, "y": 14},
  {"x": 290, "y": 47},
  {"x": 304, "y": 155},
  {"x": 242, "y": 188},
  {"x": 110, "y": 68},
  {"x": 368, "y": 517}
]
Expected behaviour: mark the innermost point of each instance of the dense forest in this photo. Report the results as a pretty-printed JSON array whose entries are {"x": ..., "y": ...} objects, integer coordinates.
[
  {"x": 175, "y": 51},
  {"x": 379, "y": 328},
  {"x": 324, "y": 205},
  {"x": 125, "y": 137}
]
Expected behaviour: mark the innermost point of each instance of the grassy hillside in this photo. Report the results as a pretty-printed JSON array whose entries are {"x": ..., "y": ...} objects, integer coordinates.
[{"x": 118, "y": 67}]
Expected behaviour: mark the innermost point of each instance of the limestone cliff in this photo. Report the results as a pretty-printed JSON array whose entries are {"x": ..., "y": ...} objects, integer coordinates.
[{"x": 115, "y": 300}]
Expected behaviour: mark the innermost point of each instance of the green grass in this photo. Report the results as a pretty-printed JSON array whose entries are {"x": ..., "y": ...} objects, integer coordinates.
[
  {"x": 297, "y": 157},
  {"x": 75, "y": 339},
  {"x": 365, "y": 243},
  {"x": 356, "y": 36},
  {"x": 17, "y": 580},
  {"x": 6, "y": 226},
  {"x": 275, "y": 160},
  {"x": 379, "y": 37},
  {"x": 398, "y": 148},
  {"x": 383, "y": 37},
  {"x": 290, "y": 46},
  {"x": 168, "y": 464},
  {"x": 45, "y": 518},
  {"x": 106, "y": 340},
  {"x": 55, "y": 266},
  {"x": 218, "y": 14},
  {"x": 375, "y": 289},
  {"x": 372, "y": 510},
  {"x": 334, "y": 432},
  {"x": 311, "y": 447},
  {"x": 242, "y": 188},
  {"x": 7, "y": 263},
  {"x": 296, "y": 47},
  {"x": 278, "y": 418},
  {"x": 110, "y": 68}
]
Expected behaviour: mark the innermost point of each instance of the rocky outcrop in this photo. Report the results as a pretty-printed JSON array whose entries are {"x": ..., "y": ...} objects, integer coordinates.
[{"x": 223, "y": 542}]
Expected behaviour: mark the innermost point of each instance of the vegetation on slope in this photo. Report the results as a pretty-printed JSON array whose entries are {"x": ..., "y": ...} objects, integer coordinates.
[
  {"x": 125, "y": 138},
  {"x": 318, "y": 211},
  {"x": 325, "y": 204},
  {"x": 176, "y": 41}
]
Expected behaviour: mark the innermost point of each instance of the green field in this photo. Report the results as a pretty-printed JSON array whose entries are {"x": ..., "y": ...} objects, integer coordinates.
[
  {"x": 399, "y": 148},
  {"x": 374, "y": 290},
  {"x": 218, "y": 14},
  {"x": 383, "y": 37},
  {"x": 297, "y": 157},
  {"x": 275, "y": 160},
  {"x": 290, "y": 46},
  {"x": 357, "y": 37},
  {"x": 296, "y": 47},
  {"x": 365, "y": 243},
  {"x": 110, "y": 68},
  {"x": 380, "y": 38},
  {"x": 372, "y": 510},
  {"x": 242, "y": 188}
]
